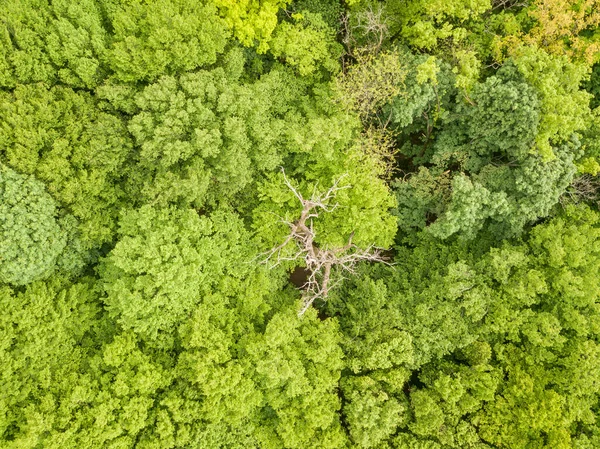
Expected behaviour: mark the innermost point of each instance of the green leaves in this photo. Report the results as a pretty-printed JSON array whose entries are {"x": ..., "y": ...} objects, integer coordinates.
[
  {"x": 565, "y": 108},
  {"x": 165, "y": 262},
  {"x": 308, "y": 44},
  {"x": 372, "y": 413},
  {"x": 482, "y": 172},
  {"x": 423, "y": 24},
  {"x": 251, "y": 22},
  {"x": 152, "y": 39},
  {"x": 77, "y": 150},
  {"x": 205, "y": 136},
  {"x": 31, "y": 239},
  {"x": 52, "y": 42},
  {"x": 44, "y": 343},
  {"x": 81, "y": 45},
  {"x": 141, "y": 150},
  {"x": 505, "y": 118},
  {"x": 298, "y": 363},
  {"x": 497, "y": 338}
]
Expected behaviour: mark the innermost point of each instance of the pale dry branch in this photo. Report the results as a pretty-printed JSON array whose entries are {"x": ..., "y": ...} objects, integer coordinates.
[
  {"x": 372, "y": 22},
  {"x": 585, "y": 188},
  {"x": 319, "y": 262}
]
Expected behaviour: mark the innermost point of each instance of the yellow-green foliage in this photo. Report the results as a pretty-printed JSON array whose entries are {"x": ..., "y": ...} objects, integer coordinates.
[
  {"x": 252, "y": 21},
  {"x": 307, "y": 44},
  {"x": 424, "y": 23},
  {"x": 58, "y": 42},
  {"x": 467, "y": 69},
  {"x": 560, "y": 27},
  {"x": 372, "y": 82},
  {"x": 31, "y": 239},
  {"x": 564, "y": 107},
  {"x": 158, "y": 37},
  {"x": 63, "y": 138},
  {"x": 363, "y": 206}
]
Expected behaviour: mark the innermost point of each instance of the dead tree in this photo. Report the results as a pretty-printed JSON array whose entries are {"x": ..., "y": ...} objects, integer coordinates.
[
  {"x": 320, "y": 262},
  {"x": 584, "y": 188}
]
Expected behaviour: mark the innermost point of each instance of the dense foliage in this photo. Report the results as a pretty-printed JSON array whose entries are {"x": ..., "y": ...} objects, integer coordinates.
[{"x": 300, "y": 224}]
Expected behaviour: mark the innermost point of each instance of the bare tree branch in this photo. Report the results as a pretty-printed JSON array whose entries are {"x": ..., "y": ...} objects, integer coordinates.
[
  {"x": 584, "y": 188},
  {"x": 319, "y": 262},
  {"x": 372, "y": 23}
]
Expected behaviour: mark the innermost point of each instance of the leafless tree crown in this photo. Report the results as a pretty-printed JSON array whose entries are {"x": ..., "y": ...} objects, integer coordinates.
[
  {"x": 370, "y": 23},
  {"x": 583, "y": 188},
  {"x": 320, "y": 262}
]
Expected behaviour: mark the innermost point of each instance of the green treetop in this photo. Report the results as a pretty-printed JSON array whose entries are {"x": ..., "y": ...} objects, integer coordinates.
[{"x": 31, "y": 239}]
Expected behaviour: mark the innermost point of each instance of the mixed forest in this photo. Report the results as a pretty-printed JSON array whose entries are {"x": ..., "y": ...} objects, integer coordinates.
[{"x": 301, "y": 224}]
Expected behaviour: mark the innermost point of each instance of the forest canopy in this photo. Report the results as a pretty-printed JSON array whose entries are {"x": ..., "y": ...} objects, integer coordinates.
[{"x": 298, "y": 224}]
